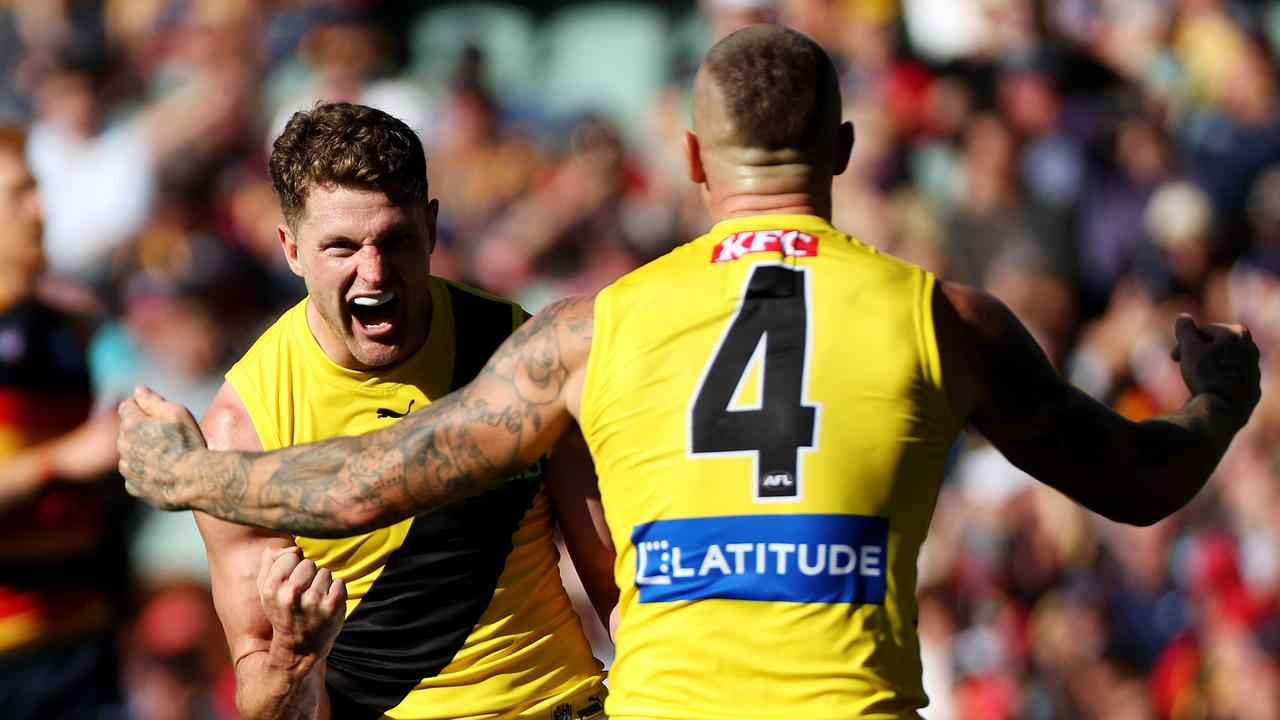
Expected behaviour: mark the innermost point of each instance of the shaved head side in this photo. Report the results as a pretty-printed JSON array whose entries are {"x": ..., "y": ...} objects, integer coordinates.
[{"x": 774, "y": 89}]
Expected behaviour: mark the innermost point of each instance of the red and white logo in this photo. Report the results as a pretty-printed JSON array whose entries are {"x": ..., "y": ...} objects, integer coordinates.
[{"x": 788, "y": 243}]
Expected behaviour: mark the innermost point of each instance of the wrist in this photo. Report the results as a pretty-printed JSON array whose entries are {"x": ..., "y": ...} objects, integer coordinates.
[
  {"x": 185, "y": 481},
  {"x": 289, "y": 657},
  {"x": 1216, "y": 417},
  {"x": 1224, "y": 407},
  {"x": 44, "y": 467}
]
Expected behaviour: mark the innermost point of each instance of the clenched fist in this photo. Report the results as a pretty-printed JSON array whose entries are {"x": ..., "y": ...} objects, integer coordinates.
[
  {"x": 304, "y": 603},
  {"x": 1219, "y": 360}
]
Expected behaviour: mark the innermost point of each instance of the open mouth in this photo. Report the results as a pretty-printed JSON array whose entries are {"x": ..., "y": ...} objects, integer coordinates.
[{"x": 374, "y": 313}]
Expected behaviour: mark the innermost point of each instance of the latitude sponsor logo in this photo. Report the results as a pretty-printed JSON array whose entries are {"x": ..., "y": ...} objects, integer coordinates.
[{"x": 806, "y": 558}]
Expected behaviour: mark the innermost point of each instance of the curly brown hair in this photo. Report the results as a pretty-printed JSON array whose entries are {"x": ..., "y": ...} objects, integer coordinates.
[{"x": 347, "y": 145}]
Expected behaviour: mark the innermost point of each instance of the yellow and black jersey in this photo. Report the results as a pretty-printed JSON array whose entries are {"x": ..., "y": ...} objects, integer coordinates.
[
  {"x": 57, "y": 564},
  {"x": 457, "y": 613},
  {"x": 766, "y": 413}
]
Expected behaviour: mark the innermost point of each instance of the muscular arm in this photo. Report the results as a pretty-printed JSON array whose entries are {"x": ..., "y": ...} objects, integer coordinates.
[
  {"x": 571, "y": 482},
  {"x": 273, "y": 680},
  {"x": 1136, "y": 473},
  {"x": 468, "y": 441}
]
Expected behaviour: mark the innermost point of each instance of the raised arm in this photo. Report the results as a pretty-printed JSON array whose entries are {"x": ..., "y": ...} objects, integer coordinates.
[
  {"x": 1137, "y": 473},
  {"x": 468, "y": 441}
]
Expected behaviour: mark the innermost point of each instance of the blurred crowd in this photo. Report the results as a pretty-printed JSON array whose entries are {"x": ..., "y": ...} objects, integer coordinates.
[{"x": 1099, "y": 165}]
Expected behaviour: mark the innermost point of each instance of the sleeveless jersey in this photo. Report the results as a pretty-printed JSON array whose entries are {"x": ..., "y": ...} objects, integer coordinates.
[
  {"x": 457, "y": 613},
  {"x": 766, "y": 413}
]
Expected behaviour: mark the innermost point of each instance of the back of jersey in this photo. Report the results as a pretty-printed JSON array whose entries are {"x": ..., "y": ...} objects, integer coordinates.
[{"x": 765, "y": 409}]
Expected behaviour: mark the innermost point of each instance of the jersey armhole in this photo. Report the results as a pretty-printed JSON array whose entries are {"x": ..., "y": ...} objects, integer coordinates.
[
  {"x": 258, "y": 413},
  {"x": 601, "y": 317},
  {"x": 927, "y": 340},
  {"x": 930, "y": 358}
]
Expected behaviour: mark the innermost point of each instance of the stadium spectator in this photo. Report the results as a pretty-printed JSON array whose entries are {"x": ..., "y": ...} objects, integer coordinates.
[{"x": 61, "y": 563}]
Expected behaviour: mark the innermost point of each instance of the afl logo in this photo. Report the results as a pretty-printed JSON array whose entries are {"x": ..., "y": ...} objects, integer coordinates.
[{"x": 777, "y": 480}]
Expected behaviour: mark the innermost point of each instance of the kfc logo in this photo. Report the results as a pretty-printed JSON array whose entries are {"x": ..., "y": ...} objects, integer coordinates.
[{"x": 788, "y": 243}]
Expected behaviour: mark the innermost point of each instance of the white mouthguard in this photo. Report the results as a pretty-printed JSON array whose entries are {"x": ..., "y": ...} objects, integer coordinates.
[{"x": 375, "y": 300}]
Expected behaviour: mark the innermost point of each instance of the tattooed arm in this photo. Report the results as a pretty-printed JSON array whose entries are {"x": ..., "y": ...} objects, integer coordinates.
[
  {"x": 1000, "y": 381},
  {"x": 464, "y": 443}
]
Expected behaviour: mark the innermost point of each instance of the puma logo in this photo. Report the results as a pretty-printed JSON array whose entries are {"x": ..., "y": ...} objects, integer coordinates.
[{"x": 389, "y": 413}]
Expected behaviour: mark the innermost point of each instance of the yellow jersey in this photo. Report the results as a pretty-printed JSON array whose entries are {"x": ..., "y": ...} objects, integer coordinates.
[
  {"x": 458, "y": 613},
  {"x": 766, "y": 413}
]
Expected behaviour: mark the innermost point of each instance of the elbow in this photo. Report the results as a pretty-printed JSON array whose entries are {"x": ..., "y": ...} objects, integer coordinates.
[
  {"x": 1138, "y": 517},
  {"x": 1149, "y": 503},
  {"x": 1153, "y": 512},
  {"x": 346, "y": 520},
  {"x": 356, "y": 518},
  {"x": 345, "y": 524},
  {"x": 346, "y": 516}
]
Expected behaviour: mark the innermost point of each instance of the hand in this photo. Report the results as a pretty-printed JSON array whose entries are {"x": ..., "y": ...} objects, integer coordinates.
[
  {"x": 1219, "y": 360},
  {"x": 305, "y": 605},
  {"x": 87, "y": 453},
  {"x": 155, "y": 436},
  {"x": 84, "y": 455}
]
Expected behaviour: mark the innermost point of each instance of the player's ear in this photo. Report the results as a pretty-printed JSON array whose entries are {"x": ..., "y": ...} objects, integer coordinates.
[
  {"x": 844, "y": 146},
  {"x": 693, "y": 155},
  {"x": 289, "y": 244}
]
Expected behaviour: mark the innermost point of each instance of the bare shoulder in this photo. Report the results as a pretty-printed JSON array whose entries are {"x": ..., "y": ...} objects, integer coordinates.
[
  {"x": 975, "y": 311},
  {"x": 569, "y": 321},
  {"x": 1009, "y": 377},
  {"x": 988, "y": 356},
  {"x": 548, "y": 355},
  {"x": 227, "y": 426},
  {"x": 960, "y": 315},
  {"x": 226, "y": 423}
]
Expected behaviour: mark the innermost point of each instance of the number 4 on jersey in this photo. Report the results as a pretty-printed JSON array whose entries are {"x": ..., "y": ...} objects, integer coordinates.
[{"x": 772, "y": 317}]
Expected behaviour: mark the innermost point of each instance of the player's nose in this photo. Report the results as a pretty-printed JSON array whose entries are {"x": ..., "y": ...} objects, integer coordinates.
[{"x": 371, "y": 265}]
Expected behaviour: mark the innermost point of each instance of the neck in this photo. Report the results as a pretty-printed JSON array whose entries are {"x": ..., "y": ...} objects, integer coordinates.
[
  {"x": 798, "y": 203},
  {"x": 742, "y": 186}
]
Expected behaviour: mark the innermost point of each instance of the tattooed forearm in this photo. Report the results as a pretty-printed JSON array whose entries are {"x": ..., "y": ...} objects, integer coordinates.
[
  {"x": 1129, "y": 471},
  {"x": 464, "y": 443}
]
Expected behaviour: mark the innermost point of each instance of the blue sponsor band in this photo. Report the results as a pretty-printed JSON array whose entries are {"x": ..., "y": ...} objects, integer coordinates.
[{"x": 805, "y": 558}]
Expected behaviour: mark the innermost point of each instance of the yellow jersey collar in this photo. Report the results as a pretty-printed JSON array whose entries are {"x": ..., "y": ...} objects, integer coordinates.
[{"x": 811, "y": 224}]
